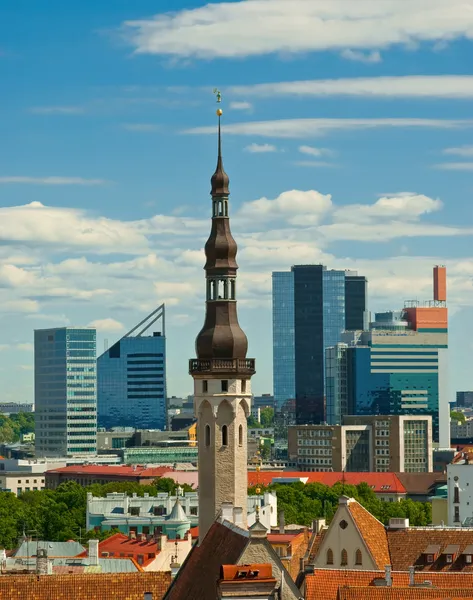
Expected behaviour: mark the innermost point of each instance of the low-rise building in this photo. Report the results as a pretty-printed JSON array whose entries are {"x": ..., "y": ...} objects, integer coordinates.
[
  {"x": 380, "y": 443},
  {"x": 13, "y": 408},
  {"x": 89, "y": 474},
  {"x": 460, "y": 489},
  {"x": 25, "y": 475}
]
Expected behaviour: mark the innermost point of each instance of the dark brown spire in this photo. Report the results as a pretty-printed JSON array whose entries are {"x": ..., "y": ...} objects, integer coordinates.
[
  {"x": 220, "y": 180},
  {"x": 221, "y": 336}
]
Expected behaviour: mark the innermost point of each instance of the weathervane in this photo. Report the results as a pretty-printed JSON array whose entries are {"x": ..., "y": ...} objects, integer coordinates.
[{"x": 218, "y": 96}]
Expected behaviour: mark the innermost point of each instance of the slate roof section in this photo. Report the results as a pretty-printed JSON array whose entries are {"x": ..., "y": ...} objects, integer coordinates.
[
  {"x": 62, "y": 549},
  {"x": 373, "y": 533},
  {"x": 103, "y": 586},
  {"x": 198, "y": 577},
  {"x": 407, "y": 546},
  {"x": 421, "y": 484}
]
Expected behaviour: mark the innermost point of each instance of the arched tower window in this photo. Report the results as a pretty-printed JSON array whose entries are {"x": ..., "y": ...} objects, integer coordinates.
[
  {"x": 344, "y": 558},
  {"x": 330, "y": 556},
  {"x": 207, "y": 435},
  {"x": 240, "y": 435},
  {"x": 358, "y": 557},
  {"x": 224, "y": 435}
]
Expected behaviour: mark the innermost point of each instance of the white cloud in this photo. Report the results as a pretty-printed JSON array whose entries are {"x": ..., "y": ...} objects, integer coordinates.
[
  {"x": 460, "y": 151},
  {"x": 259, "y": 27},
  {"x": 21, "y": 305},
  {"x": 53, "y": 180},
  {"x": 410, "y": 86},
  {"x": 455, "y": 166},
  {"x": 241, "y": 105},
  {"x": 403, "y": 207},
  {"x": 107, "y": 325},
  {"x": 295, "y": 206},
  {"x": 311, "y": 151},
  {"x": 142, "y": 127},
  {"x": 37, "y": 224},
  {"x": 260, "y": 148},
  {"x": 365, "y": 57},
  {"x": 27, "y": 346},
  {"x": 57, "y": 110},
  {"x": 303, "y": 128}
]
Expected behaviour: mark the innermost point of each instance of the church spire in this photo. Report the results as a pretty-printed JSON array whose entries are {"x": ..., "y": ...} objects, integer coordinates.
[{"x": 220, "y": 180}]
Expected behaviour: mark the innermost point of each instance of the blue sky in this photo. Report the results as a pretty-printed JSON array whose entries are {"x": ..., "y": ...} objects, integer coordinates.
[{"x": 347, "y": 138}]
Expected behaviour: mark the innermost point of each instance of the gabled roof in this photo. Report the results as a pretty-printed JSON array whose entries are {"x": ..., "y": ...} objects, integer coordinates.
[
  {"x": 373, "y": 533},
  {"x": 103, "y": 586},
  {"x": 406, "y": 548},
  {"x": 197, "y": 578}
]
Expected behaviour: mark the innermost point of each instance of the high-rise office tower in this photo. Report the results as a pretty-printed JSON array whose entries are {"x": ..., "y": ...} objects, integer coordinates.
[
  {"x": 312, "y": 306},
  {"x": 398, "y": 367},
  {"x": 65, "y": 391},
  {"x": 221, "y": 372},
  {"x": 131, "y": 378}
]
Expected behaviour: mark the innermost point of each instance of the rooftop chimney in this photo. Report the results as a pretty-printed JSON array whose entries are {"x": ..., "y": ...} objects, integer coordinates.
[
  {"x": 238, "y": 516},
  {"x": 227, "y": 511},
  {"x": 412, "y": 572},
  {"x": 387, "y": 575},
  {"x": 282, "y": 522},
  {"x": 94, "y": 553},
  {"x": 440, "y": 283}
]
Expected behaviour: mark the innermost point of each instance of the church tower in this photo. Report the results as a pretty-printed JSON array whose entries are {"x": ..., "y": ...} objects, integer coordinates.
[{"x": 221, "y": 371}]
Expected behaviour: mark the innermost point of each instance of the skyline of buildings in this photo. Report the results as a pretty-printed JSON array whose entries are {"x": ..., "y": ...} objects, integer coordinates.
[
  {"x": 131, "y": 377},
  {"x": 312, "y": 306},
  {"x": 65, "y": 391}
]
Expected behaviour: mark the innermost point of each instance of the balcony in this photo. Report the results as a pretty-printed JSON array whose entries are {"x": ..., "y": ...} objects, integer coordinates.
[{"x": 223, "y": 365}]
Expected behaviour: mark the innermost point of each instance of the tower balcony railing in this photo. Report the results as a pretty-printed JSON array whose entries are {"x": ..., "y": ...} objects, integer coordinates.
[{"x": 234, "y": 365}]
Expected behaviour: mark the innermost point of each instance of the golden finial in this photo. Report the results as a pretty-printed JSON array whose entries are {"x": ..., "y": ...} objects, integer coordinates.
[{"x": 218, "y": 95}]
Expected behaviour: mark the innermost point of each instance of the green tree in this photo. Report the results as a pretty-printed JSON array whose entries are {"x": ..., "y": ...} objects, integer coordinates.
[
  {"x": 267, "y": 417},
  {"x": 252, "y": 423},
  {"x": 456, "y": 415}
]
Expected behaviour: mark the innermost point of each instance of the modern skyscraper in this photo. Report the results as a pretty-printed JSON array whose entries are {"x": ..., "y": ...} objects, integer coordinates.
[
  {"x": 65, "y": 391},
  {"x": 312, "y": 306},
  {"x": 131, "y": 378},
  {"x": 221, "y": 371},
  {"x": 399, "y": 367}
]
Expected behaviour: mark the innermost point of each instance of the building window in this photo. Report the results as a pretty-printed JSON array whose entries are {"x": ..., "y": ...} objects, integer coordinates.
[
  {"x": 457, "y": 515},
  {"x": 330, "y": 556},
  {"x": 358, "y": 557},
  {"x": 224, "y": 435},
  {"x": 240, "y": 435},
  {"x": 243, "y": 386},
  {"x": 344, "y": 558},
  {"x": 456, "y": 495},
  {"x": 207, "y": 435},
  {"x": 224, "y": 385},
  {"x": 205, "y": 385}
]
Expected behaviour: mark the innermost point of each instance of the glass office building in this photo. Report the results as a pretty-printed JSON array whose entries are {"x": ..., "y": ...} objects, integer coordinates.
[
  {"x": 65, "y": 391},
  {"x": 132, "y": 378},
  {"x": 309, "y": 314}
]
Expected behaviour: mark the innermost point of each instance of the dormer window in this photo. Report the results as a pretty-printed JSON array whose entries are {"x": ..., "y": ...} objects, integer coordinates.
[
  {"x": 431, "y": 553},
  {"x": 450, "y": 553}
]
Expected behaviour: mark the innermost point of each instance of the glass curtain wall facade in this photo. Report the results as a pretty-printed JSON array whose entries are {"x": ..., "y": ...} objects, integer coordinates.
[
  {"x": 65, "y": 391},
  {"x": 132, "y": 383},
  {"x": 356, "y": 300},
  {"x": 309, "y": 315},
  {"x": 283, "y": 337}
]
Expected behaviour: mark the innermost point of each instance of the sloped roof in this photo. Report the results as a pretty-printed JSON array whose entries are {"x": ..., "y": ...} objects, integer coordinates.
[
  {"x": 378, "y": 482},
  {"x": 421, "y": 483},
  {"x": 103, "y": 586},
  {"x": 407, "y": 545},
  {"x": 177, "y": 515},
  {"x": 30, "y": 548},
  {"x": 120, "y": 544},
  {"x": 411, "y": 593},
  {"x": 111, "y": 470},
  {"x": 198, "y": 576},
  {"x": 325, "y": 584},
  {"x": 373, "y": 533}
]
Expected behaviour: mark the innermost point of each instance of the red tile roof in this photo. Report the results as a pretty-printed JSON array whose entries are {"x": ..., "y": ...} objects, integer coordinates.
[
  {"x": 103, "y": 586},
  {"x": 410, "y": 593},
  {"x": 407, "y": 545},
  {"x": 283, "y": 538},
  {"x": 115, "y": 470},
  {"x": 379, "y": 482},
  {"x": 232, "y": 572},
  {"x": 324, "y": 584},
  {"x": 373, "y": 533},
  {"x": 194, "y": 531},
  {"x": 120, "y": 545}
]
